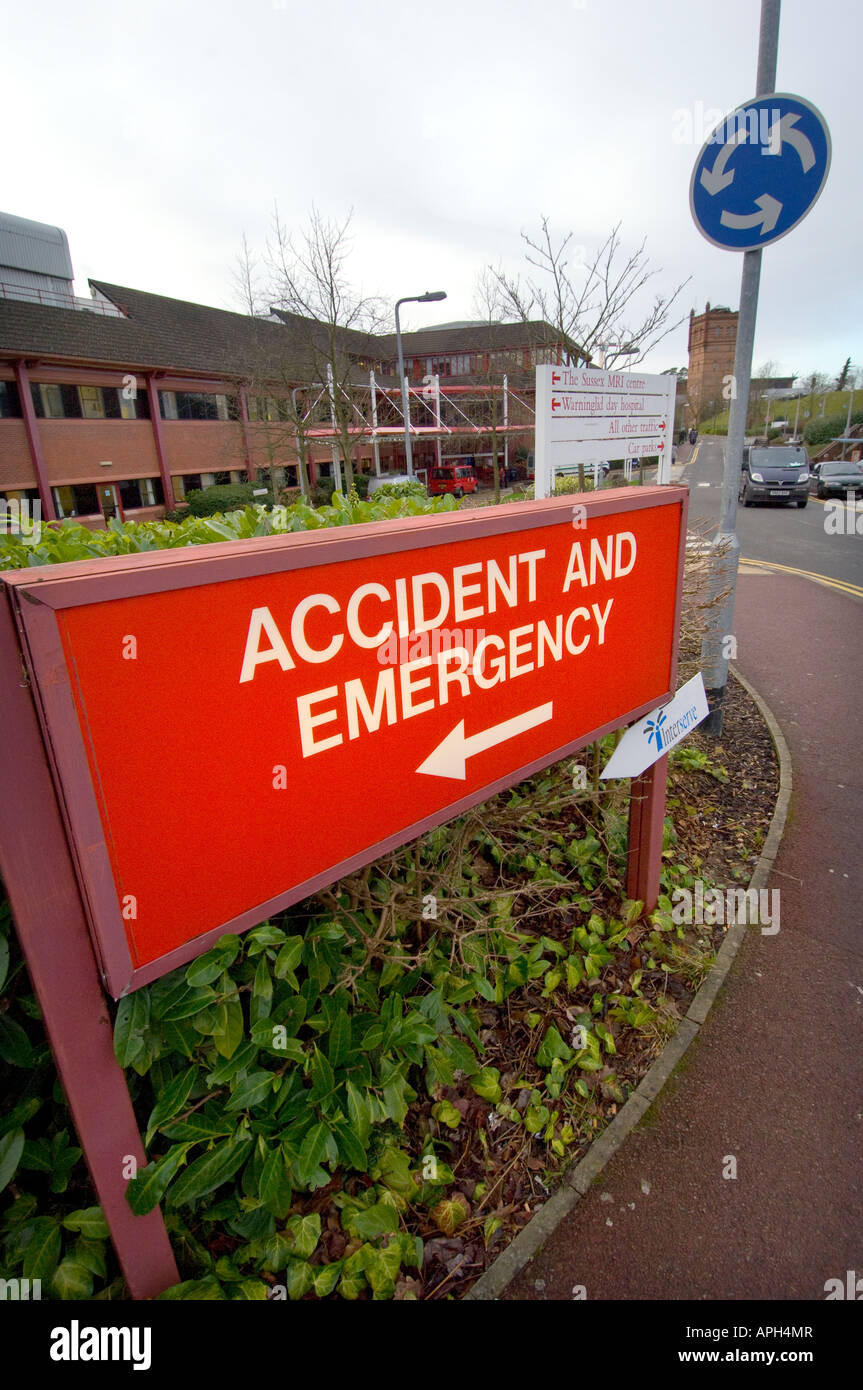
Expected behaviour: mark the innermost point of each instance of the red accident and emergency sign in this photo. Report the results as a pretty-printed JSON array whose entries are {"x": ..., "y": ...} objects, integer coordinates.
[{"x": 235, "y": 726}]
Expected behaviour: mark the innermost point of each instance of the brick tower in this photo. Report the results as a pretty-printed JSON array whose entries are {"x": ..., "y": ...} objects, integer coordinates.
[{"x": 712, "y": 339}]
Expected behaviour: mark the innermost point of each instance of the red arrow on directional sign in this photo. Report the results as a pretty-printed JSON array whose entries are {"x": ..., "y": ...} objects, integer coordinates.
[
  {"x": 662, "y": 424},
  {"x": 554, "y": 404},
  {"x": 555, "y": 376}
]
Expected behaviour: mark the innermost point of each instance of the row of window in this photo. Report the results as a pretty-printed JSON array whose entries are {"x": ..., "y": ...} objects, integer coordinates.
[
  {"x": 89, "y": 499},
  {"x": 120, "y": 403}
]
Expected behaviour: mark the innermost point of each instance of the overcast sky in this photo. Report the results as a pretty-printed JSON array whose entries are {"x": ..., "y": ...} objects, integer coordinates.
[{"x": 155, "y": 135}]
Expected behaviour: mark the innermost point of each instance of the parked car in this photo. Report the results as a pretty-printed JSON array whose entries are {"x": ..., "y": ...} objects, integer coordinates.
[
  {"x": 780, "y": 474},
  {"x": 457, "y": 478},
  {"x": 838, "y": 477}
]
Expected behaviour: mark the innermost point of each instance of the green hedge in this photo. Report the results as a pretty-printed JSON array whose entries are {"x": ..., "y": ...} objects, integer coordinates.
[
  {"x": 227, "y": 497},
  {"x": 70, "y": 541},
  {"x": 820, "y": 432}
]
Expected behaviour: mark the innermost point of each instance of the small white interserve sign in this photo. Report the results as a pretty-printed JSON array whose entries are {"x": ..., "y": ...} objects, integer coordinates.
[
  {"x": 588, "y": 416},
  {"x": 659, "y": 731}
]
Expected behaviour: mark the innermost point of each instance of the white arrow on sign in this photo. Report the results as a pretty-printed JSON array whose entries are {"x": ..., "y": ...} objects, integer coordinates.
[
  {"x": 768, "y": 216},
  {"x": 715, "y": 179},
  {"x": 451, "y": 754},
  {"x": 783, "y": 129}
]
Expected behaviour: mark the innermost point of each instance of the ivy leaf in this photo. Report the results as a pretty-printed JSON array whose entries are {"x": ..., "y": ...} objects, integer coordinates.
[
  {"x": 91, "y": 1254},
  {"x": 15, "y": 1046},
  {"x": 11, "y": 1149},
  {"x": 72, "y": 1280},
  {"x": 147, "y": 1188},
  {"x": 304, "y": 1233},
  {"x": 486, "y": 1083},
  {"x": 253, "y": 1290},
  {"x": 552, "y": 1046},
  {"x": 43, "y": 1250},
  {"x": 210, "y": 1170},
  {"x": 449, "y": 1213},
  {"x": 371, "y": 1222},
  {"x": 300, "y": 1277},
  {"x": 326, "y": 1277},
  {"x": 89, "y": 1222}
]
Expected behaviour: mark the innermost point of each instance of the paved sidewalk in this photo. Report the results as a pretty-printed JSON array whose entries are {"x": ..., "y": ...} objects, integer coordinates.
[{"x": 775, "y": 1077}]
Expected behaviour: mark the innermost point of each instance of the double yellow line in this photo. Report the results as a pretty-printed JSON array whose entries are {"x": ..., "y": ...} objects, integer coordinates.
[{"x": 845, "y": 588}]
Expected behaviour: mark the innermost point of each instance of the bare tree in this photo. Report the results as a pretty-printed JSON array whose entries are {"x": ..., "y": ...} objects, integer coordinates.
[
  {"x": 585, "y": 298},
  {"x": 489, "y": 306},
  {"x": 246, "y": 278},
  {"x": 309, "y": 279}
]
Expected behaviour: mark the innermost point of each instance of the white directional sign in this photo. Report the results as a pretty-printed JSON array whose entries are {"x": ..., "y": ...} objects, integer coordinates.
[
  {"x": 588, "y": 416},
  {"x": 659, "y": 731}
]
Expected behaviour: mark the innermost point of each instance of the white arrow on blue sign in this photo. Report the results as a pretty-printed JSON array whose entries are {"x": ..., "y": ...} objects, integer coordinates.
[{"x": 760, "y": 172}]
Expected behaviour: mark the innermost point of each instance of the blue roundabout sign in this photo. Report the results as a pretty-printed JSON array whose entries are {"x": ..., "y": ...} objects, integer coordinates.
[{"x": 760, "y": 172}]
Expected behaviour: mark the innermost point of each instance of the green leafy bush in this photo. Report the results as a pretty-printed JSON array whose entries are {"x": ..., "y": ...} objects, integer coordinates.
[
  {"x": 820, "y": 432},
  {"x": 414, "y": 488},
  {"x": 227, "y": 497},
  {"x": 70, "y": 541}
]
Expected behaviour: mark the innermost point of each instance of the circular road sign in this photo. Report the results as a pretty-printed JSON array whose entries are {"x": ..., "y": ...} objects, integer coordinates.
[{"x": 760, "y": 172}]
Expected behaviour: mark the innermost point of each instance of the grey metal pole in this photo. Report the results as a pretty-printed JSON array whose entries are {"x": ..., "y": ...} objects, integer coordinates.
[
  {"x": 409, "y": 462},
  {"x": 848, "y": 421},
  {"x": 723, "y": 585}
]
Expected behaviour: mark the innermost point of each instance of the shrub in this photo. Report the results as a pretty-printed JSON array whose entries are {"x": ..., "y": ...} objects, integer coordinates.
[
  {"x": 820, "y": 432},
  {"x": 412, "y": 489},
  {"x": 210, "y": 501}
]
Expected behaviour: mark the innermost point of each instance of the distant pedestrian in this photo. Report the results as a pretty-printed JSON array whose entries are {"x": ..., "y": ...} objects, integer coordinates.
[
  {"x": 693, "y": 435},
  {"x": 682, "y": 439}
]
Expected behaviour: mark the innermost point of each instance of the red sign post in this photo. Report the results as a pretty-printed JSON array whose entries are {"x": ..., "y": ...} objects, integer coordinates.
[{"x": 232, "y": 727}]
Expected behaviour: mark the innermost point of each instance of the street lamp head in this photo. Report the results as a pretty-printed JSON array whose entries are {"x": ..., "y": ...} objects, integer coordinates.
[{"x": 431, "y": 295}]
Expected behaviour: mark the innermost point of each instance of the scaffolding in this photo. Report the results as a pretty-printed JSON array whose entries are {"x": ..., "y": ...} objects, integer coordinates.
[{"x": 458, "y": 413}]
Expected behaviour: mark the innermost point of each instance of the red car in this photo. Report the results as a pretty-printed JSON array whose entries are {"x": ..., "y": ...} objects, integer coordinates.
[{"x": 457, "y": 478}]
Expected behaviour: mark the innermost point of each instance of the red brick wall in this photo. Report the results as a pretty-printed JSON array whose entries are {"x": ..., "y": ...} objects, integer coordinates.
[
  {"x": 203, "y": 446},
  {"x": 74, "y": 450},
  {"x": 16, "y": 470}
]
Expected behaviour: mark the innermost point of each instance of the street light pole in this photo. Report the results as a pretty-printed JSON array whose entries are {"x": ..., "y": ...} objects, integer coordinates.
[
  {"x": 426, "y": 298},
  {"x": 848, "y": 421}
]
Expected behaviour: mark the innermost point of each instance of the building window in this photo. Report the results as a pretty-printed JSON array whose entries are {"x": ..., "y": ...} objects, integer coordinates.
[
  {"x": 197, "y": 405},
  {"x": 79, "y": 500},
  {"x": 140, "y": 492},
  {"x": 92, "y": 405},
  {"x": 168, "y": 405},
  {"x": 10, "y": 401},
  {"x": 121, "y": 407},
  {"x": 222, "y": 479},
  {"x": 21, "y": 494}
]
